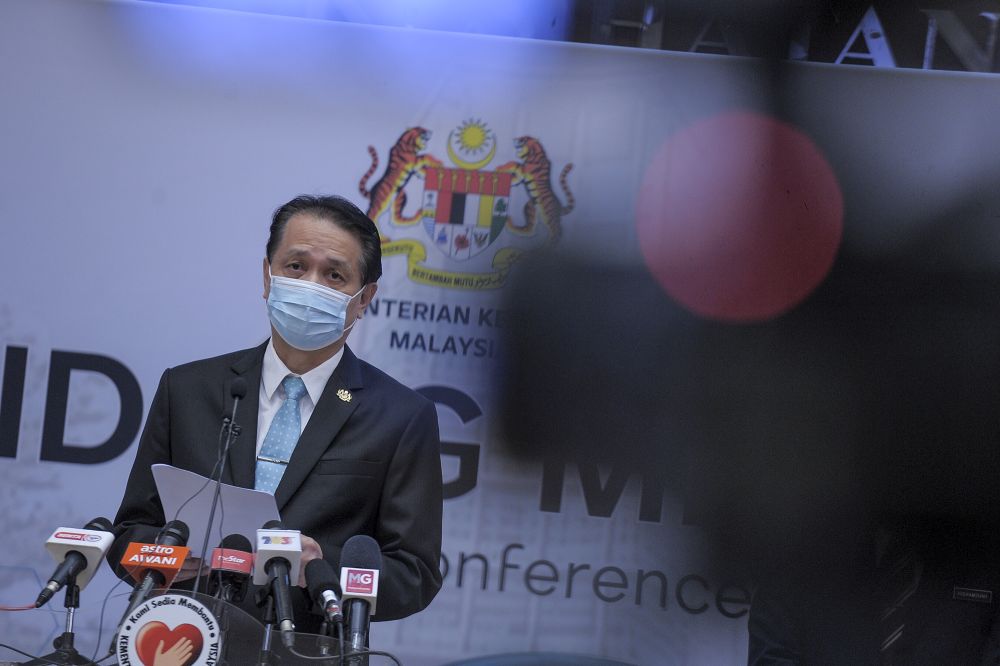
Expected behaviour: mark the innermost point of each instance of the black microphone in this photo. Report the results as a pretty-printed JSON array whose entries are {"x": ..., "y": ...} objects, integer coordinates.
[
  {"x": 174, "y": 533},
  {"x": 324, "y": 590},
  {"x": 279, "y": 551},
  {"x": 238, "y": 390},
  {"x": 81, "y": 553},
  {"x": 232, "y": 562},
  {"x": 360, "y": 563}
]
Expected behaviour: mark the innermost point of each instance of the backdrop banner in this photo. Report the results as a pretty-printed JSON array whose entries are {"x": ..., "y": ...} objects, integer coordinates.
[{"x": 144, "y": 149}]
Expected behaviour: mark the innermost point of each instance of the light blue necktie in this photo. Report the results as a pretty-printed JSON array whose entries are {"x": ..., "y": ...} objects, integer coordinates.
[{"x": 281, "y": 437}]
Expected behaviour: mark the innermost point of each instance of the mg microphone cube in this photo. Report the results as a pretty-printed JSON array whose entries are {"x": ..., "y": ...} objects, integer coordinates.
[{"x": 360, "y": 584}]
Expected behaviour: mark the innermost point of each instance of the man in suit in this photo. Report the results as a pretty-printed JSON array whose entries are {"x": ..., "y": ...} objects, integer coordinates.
[{"x": 344, "y": 448}]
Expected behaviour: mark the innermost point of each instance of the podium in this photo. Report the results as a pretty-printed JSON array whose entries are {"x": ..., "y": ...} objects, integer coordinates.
[{"x": 190, "y": 629}]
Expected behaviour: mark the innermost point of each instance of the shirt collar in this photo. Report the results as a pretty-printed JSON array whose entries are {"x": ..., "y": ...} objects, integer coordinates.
[{"x": 274, "y": 370}]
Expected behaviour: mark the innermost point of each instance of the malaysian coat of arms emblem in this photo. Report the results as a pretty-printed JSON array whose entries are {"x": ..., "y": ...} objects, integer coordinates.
[{"x": 463, "y": 208}]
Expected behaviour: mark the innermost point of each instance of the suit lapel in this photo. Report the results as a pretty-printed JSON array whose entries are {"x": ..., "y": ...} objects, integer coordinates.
[
  {"x": 335, "y": 406},
  {"x": 243, "y": 452}
]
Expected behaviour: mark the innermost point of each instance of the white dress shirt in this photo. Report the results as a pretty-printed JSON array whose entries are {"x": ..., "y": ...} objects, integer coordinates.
[{"x": 272, "y": 393}]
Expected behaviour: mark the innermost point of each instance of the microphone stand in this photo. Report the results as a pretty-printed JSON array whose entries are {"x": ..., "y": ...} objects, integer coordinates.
[
  {"x": 232, "y": 432},
  {"x": 219, "y": 604},
  {"x": 358, "y": 645},
  {"x": 270, "y": 619},
  {"x": 323, "y": 639},
  {"x": 221, "y": 613},
  {"x": 326, "y": 635},
  {"x": 65, "y": 652}
]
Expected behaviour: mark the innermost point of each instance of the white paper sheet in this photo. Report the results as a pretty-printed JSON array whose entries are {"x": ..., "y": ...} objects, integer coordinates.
[{"x": 239, "y": 511}]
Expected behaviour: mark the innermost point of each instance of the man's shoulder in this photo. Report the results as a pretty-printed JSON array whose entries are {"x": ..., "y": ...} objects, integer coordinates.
[
  {"x": 214, "y": 365},
  {"x": 390, "y": 388}
]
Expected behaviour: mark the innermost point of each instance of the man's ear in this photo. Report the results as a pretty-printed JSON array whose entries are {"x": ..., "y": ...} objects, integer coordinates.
[{"x": 367, "y": 295}]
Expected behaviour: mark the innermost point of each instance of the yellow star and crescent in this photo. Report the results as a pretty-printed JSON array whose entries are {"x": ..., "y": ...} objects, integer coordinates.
[{"x": 472, "y": 137}]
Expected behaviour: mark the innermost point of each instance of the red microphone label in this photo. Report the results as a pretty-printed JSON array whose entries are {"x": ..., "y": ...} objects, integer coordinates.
[
  {"x": 232, "y": 560},
  {"x": 142, "y": 557},
  {"x": 76, "y": 536},
  {"x": 360, "y": 581}
]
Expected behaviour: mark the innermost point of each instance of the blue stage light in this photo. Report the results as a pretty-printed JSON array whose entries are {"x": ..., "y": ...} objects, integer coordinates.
[{"x": 538, "y": 19}]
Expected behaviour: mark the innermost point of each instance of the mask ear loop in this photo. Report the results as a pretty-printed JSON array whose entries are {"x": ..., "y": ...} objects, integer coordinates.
[{"x": 347, "y": 328}]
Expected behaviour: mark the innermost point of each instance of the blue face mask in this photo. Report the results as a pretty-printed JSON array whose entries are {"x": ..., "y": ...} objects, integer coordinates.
[{"x": 306, "y": 315}]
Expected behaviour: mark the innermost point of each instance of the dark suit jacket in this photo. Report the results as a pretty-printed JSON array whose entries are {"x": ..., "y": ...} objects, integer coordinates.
[{"x": 370, "y": 465}]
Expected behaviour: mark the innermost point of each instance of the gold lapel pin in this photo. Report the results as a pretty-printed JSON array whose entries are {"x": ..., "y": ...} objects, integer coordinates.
[{"x": 344, "y": 395}]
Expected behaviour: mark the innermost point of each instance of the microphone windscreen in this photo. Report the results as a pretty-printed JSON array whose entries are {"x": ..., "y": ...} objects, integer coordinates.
[
  {"x": 238, "y": 389},
  {"x": 236, "y": 542},
  {"x": 174, "y": 533},
  {"x": 320, "y": 576},
  {"x": 100, "y": 524},
  {"x": 274, "y": 525},
  {"x": 361, "y": 552}
]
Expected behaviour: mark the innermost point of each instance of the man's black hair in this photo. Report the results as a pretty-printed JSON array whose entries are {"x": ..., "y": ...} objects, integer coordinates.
[{"x": 345, "y": 215}]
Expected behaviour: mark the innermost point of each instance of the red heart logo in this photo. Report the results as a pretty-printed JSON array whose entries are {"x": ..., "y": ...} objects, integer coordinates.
[{"x": 148, "y": 640}]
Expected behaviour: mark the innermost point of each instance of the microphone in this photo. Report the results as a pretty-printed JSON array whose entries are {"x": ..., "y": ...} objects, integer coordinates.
[
  {"x": 153, "y": 565},
  {"x": 360, "y": 562},
  {"x": 232, "y": 563},
  {"x": 276, "y": 564},
  {"x": 238, "y": 391},
  {"x": 156, "y": 564},
  {"x": 324, "y": 590},
  {"x": 79, "y": 552}
]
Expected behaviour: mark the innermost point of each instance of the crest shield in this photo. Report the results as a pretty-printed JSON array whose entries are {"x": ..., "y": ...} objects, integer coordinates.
[{"x": 464, "y": 210}]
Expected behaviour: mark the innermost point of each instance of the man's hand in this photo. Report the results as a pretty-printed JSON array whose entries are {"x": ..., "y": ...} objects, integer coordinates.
[
  {"x": 310, "y": 551},
  {"x": 190, "y": 569}
]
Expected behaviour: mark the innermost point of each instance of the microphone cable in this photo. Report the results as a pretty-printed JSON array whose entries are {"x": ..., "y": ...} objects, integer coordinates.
[
  {"x": 100, "y": 621},
  {"x": 238, "y": 391},
  {"x": 211, "y": 476},
  {"x": 217, "y": 469},
  {"x": 31, "y": 656},
  {"x": 359, "y": 653},
  {"x": 104, "y": 605}
]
